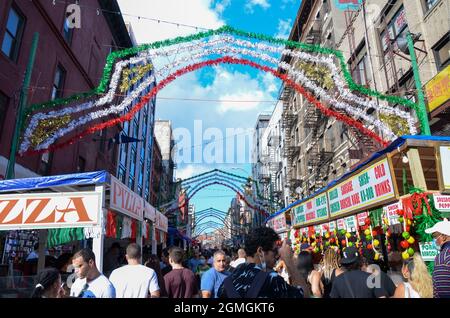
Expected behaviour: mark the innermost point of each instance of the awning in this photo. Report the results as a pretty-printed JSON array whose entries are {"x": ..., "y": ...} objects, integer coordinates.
[
  {"x": 75, "y": 179},
  {"x": 394, "y": 145}
]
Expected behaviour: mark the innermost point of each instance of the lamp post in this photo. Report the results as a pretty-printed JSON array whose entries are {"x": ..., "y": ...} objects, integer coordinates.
[{"x": 406, "y": 45}]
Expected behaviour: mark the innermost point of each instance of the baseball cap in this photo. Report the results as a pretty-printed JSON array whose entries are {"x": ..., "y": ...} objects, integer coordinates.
[
  {"x": 442, "y": 227},
  {"x": 350, "y": 254}
]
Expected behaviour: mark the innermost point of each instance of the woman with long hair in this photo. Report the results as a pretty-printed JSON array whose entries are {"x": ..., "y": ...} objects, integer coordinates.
[
  {"x": 418, "y": 280},
  {"x": 154, "y": 263},
  {"x": 329, "y": 270},
  {"x": 48, "y": 284},
  {"x": 311, "y": 276}
]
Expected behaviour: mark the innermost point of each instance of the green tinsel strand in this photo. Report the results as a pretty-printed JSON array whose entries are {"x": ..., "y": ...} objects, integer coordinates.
[{"x": 226, "y": 29}]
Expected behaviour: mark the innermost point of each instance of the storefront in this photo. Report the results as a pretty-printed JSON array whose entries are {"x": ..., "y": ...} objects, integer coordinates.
[
  {"x": 382, "y": 206},
  {"x": 68, "y": 212}
]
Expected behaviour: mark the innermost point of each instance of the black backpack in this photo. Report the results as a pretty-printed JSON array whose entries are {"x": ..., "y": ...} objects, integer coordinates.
[{"x": 252, "y": 292}]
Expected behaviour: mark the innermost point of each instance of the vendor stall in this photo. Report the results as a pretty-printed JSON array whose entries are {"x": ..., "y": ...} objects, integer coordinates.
[
  {"x": 91, "y": 209},
  {"x": 381, "y": 206}
]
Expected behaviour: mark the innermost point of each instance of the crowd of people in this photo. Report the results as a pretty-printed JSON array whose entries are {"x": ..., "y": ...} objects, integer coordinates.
[{"x": 264, "y": 268}]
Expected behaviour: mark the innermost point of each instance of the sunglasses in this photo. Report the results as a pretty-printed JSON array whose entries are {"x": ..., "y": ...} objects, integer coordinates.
[{"x": 436, "y": 235}]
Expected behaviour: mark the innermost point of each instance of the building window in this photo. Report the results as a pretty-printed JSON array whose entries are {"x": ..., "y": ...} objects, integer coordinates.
[
  {"x": 429, "y": 4},
  {"x": 68, "y": 31},
  {"x": 361, "y": 73},
  {"x": 135, "y": 128},
  {"x": 121, "y": 174},
  {"x": 4, "y": 101},
  {"x": 46, "y": 162},
  {"x": 395, "y": 28},
  {"x": 81, "y": 164},
  {"x": 13, "y": 34},
  {"x": 58, "y": 82},
  {"x": 442, "y": 52}
]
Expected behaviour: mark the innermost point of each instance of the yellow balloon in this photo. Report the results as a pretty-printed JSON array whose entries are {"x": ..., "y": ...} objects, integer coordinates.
[
  {"x": 376, "y": 243},
  {"x": 405, "y": 255},
  {"x": 411, "y": 240}
]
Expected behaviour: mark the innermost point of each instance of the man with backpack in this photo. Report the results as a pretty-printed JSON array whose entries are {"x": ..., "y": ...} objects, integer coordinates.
[{"x": 256, "y": 278}]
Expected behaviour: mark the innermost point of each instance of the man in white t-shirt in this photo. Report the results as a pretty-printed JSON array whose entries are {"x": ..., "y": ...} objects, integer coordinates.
[
  {"x": 90, "y": 283},
  {"x": 135, "y": 280}
]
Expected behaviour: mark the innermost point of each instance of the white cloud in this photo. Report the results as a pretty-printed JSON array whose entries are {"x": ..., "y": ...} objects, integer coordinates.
[
  {"x": 249, "y": 6},
  {"x": 285, "y": 3},
  {"x": 191, "y": 170},
  {"x": 221, "y": 6},
  {"x": 197, "y": 13},
  {"x": 225, "y": 87},
  {"x": 284, "y": 28}
]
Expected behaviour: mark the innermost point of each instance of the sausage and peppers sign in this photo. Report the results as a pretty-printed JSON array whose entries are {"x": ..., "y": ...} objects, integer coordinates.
[
  {"x": 372, "y": 185},
  {"x": 50, "y": 210}
]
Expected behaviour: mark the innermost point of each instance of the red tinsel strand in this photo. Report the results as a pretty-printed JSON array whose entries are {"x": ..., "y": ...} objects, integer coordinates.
[{"x": 190, "y": 68}]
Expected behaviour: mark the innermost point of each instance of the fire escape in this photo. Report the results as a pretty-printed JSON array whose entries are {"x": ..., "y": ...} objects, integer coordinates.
[
  {"x": 288, "y": 120},
  {"x": 274, "y": 165}
]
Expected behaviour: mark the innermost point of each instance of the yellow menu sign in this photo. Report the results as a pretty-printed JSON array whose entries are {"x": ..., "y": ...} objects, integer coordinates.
[{"x": 438, "y": 89}]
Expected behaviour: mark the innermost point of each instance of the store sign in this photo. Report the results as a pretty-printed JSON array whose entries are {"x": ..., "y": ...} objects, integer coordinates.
[
  {"x": 348, "y": 4},
  {"x": 428, "y": 251},
  {"x": 161, "y": 222},
  {"x": 362, "y": 218},
  {"x": 391, "y": 212},
  {"x": 279, "y": 223},
  {"x": 372, "y": 185},
  {"x": 332, "y": 226},
  {"x": 444, "y": 152},
  {"x": 149, "y": 212},
  {"x": 299, "y": 214},
  {"x": 313, "y": 210},
  {"x": 126, "y": 201},
  {"x": 438, "y": 89},
  {"x": 50, "y": 210},
  {"x": 318, "y": 229},
  {"x": 350, "y": 223},
  {"x": 442, "y": 202},
  {"x": 341, "y": 224}
]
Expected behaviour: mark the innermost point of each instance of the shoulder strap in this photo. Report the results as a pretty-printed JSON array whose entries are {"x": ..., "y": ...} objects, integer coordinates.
[
  {"x": 256, "y": 285},
  {"x": 229, "y": 288}
]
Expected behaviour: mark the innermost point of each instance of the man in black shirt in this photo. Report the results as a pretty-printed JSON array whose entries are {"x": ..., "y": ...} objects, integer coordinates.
[
  {"x": 354, "y": 283},
  {"x": 256, "y": 278},
  {"x": 378, "y": 276}
]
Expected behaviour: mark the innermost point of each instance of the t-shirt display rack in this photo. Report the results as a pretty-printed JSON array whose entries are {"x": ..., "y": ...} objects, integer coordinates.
[{"x": 18, "y": 244}]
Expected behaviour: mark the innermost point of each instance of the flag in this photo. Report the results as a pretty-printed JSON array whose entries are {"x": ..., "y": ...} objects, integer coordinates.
[{"x": 120, "y": 138}]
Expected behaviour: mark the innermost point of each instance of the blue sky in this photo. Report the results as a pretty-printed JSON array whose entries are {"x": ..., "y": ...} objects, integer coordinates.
[{"x": 216, "y": 85}]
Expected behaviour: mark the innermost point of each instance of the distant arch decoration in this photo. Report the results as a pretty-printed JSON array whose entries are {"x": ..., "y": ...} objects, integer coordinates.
[{"x": 321, "y": 76}]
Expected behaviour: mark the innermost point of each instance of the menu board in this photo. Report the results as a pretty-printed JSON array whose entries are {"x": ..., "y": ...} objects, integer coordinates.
[
  {"x": 371, "y": 185},
  {"x": 312, "y": 210},
  {"x": 391, "y": 212}
]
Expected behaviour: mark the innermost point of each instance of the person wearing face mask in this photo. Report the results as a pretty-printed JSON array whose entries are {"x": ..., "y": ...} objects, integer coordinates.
[
  {"x": 256, "y": 278},
  {"x": 441, "y": 273}
]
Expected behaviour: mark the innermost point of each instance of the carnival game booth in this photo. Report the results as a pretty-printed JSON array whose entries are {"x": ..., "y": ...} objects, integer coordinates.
[
  {"x": 65, "y": 213},
  {"x": 382, "y": 206}
]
